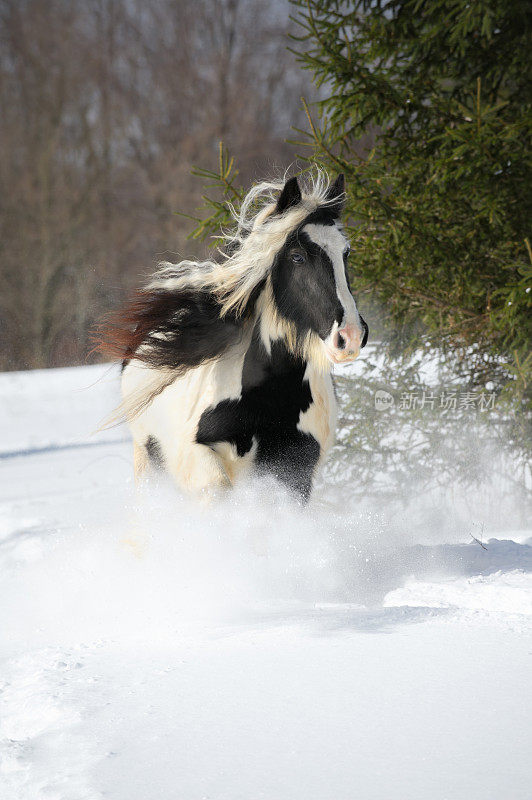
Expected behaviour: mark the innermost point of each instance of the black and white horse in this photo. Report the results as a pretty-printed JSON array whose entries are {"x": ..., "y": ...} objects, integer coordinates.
[{"x": 227, "y": 365}]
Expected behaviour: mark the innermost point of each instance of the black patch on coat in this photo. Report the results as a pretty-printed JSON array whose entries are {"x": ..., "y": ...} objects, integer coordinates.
[
  {"x": 305, "y": 291},
  {"x": 274, "y": 394},
  {"x": 155, "y": 453}
]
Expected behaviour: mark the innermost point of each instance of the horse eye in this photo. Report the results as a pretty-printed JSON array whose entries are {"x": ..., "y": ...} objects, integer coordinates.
[
  {"x": 346, "y": 253},
  {"x": 298, "y": 258}
]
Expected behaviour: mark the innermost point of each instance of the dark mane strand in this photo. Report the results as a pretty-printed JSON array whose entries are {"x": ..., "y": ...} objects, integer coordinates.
[{"x": 164, "y": 329}]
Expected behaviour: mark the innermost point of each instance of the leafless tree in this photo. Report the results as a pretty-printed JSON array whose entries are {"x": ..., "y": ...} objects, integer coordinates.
[{"x": 105, "y": 105}]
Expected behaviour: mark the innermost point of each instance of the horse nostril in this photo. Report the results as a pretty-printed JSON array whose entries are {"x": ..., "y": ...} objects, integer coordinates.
[{"x": 340, "y": 341}]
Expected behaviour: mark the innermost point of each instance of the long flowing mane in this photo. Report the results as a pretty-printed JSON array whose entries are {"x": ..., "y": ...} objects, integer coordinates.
[
  {"x": 191, "y": 312},
  {"x": 258, "y": 236}
]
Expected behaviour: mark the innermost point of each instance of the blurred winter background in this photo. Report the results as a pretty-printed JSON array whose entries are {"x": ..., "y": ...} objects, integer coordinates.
[{"x": 377, "y": 643}]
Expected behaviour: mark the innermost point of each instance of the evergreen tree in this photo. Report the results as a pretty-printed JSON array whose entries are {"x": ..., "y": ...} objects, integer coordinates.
[{"x": 439, "y": 203}]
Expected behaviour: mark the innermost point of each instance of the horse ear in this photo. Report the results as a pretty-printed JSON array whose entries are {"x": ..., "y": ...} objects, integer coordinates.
[
  {"x": 290, "y": 196},
  {"x": 336, "y": 194}
]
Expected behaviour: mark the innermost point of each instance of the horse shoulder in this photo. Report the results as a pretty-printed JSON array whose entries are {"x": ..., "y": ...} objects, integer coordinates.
[
  {"x": 171, "y": 418},
  {"x": 167, "y": 416}
]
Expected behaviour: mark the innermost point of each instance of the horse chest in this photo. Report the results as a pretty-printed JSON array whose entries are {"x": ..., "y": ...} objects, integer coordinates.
[{"x": 276, "y": 422}]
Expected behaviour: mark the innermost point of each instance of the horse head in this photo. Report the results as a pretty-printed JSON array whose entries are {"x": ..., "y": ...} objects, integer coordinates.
[{"x": 309, "y": 277}]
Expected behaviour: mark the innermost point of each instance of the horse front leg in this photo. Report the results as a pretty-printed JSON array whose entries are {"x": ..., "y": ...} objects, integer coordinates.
[
  {"x": 200, "y": 470},
  {"x": 291, "y": 457},
  {"x": 140, "y": 462}
]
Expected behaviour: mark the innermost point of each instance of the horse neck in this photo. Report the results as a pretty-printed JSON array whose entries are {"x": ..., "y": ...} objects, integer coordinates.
[{"x": 274, "y": 328}]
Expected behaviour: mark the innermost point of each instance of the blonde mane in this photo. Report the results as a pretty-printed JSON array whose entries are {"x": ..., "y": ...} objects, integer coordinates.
[{"x": 257, "y": 238}]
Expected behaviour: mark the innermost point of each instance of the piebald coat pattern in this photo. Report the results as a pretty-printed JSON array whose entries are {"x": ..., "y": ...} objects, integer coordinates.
[{"x": 227, "y": 366}]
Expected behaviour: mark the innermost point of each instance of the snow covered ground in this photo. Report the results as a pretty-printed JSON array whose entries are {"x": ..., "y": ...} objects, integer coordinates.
[{"x": 154, "y": 650}]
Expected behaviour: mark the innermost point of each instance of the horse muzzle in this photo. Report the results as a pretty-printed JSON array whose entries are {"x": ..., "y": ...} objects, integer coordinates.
[{"x": 347, "y": 342}]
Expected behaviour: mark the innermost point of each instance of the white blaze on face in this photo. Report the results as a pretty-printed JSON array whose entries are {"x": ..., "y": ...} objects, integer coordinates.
[{"x": 333, "y": 242}]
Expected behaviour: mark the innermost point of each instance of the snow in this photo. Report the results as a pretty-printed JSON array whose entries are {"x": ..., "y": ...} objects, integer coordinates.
[{"x": 155, "y": 649}]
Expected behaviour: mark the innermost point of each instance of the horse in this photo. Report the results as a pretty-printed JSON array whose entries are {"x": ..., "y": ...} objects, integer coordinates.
[{"x": 226, "y": 364}]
